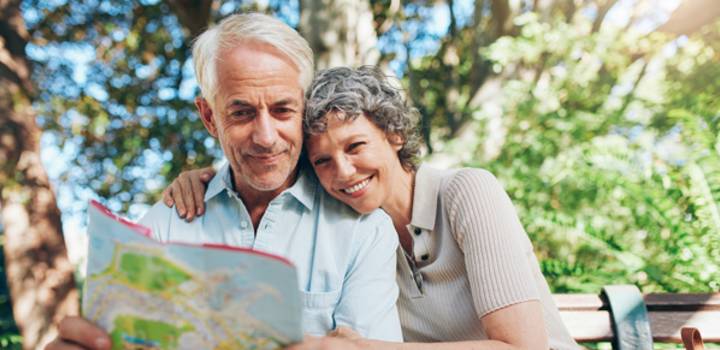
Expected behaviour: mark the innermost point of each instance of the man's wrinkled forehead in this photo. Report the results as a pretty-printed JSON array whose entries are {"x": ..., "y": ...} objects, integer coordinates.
[
  {"x": 258, "y": 51},
  {"x": 252, "y": 71}
]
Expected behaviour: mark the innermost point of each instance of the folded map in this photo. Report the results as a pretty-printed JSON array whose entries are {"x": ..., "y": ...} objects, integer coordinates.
[{"x": 171, "y": 295}]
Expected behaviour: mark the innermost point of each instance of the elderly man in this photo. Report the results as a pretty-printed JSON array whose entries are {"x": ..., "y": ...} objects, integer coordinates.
[{"x": 252, "y": 71}]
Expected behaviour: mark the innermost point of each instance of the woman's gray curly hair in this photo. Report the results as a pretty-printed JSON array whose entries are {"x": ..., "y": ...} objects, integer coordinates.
[{"x": 365, "y": 90}]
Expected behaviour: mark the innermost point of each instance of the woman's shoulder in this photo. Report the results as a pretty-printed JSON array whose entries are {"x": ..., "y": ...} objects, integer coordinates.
[
  {"x": 470, "y": 182},
  {"x": 444, "y": 177}
]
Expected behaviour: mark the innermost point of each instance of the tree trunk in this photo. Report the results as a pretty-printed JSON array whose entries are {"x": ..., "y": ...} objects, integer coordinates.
[
  {"x": 501, "y": 18},
  {"x": 480, "y": 68},
  {"x": 193, "y": 15},
  {"x": 39, "y": 274},
  {"x": 340, "y": 32}
]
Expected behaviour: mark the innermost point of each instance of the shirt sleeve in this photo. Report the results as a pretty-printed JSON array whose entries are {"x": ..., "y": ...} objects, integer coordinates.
[
  {"x": 369, "y": 293},
  {"x": 495, "y": 245}
]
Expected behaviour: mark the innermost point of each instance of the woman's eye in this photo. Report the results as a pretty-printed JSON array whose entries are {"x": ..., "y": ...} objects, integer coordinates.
[
  {"x": 355, "y": 146},
  {"x": 320, "y": 161}
]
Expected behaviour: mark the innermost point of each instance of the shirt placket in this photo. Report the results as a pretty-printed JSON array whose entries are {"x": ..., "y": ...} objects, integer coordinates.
[
  {"x": 266, "y": 228},
  {"x": 421, "y": 248},
  {"x": 413, "y": 284},
  {"x": 247, "y": 235}
]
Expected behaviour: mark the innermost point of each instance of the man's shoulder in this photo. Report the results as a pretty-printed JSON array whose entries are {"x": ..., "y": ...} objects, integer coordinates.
[
  {"x": 345, "y": 220},
  {"x": 158, "y": 212},
  {"x": 331, "y": 206},
  {"x": 157, "y": 217},
  {"x": 161, "y": 219}
]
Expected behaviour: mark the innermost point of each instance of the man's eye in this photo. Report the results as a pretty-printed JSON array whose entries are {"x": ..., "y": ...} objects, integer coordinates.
[
  {"x": 283, "y": 111},
  {"x": 242, "y": 113}
]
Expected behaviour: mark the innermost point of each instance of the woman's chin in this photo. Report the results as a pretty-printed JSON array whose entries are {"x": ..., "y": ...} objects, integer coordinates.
[
  {"x": 361, "y": 205},
  {"x": 364, "y": 210}
]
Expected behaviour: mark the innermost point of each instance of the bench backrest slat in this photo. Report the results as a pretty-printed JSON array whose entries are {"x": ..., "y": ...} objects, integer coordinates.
[{"x": 588, "y": 319}]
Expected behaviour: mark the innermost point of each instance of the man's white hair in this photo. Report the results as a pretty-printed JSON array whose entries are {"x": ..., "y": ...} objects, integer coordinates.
[{"x": 248, "y": 27}]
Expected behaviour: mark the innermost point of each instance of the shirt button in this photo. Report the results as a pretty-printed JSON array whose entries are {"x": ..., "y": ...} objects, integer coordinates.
[
  {"x": 418, "y": 232},
  {"x": 243, "y": 224}
]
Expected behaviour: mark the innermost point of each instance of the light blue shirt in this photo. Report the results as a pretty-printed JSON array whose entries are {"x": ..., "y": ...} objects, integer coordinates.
[{"x": 345, "y": 261}]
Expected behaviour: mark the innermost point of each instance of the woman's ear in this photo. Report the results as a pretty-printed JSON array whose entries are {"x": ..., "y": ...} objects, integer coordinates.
[{"x": 396, "y": 141}]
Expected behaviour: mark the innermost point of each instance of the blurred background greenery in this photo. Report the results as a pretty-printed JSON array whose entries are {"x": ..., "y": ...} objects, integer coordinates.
[{"x": 600, "y": 117}]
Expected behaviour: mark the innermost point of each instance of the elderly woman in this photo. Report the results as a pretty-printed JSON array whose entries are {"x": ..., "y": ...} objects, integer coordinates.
[{"x": 467, "y": 273}]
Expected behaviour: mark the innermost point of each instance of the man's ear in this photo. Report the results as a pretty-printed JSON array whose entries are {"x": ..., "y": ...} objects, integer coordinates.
[
  {"x": 206, "y": 115},
  {"x": 396, "y": 141}
]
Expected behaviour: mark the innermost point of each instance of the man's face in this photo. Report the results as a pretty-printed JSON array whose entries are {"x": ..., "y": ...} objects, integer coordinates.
[{"x": 257, "y": 116}]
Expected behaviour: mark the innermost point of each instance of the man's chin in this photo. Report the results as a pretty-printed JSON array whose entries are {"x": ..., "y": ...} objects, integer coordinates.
[
  {"x": 269, "y": 182},
  {"x": 266, "y": 187},
  {"x": 263, "y": 178}
]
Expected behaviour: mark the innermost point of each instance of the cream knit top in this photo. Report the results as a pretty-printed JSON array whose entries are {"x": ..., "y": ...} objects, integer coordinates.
[{"x": 471, "y": 257}]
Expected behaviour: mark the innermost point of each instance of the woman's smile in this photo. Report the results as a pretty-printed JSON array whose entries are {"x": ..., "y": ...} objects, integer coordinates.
[{"x": 358, "y": 189}]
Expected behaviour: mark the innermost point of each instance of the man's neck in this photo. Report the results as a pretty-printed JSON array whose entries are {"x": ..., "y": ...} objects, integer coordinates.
[{"x": 257, "y": 201}]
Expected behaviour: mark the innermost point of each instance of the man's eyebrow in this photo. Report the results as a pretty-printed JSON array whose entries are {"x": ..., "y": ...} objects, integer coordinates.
[
  {"x": 239, "y": 103},
  {"x": 286, "y": 101}
]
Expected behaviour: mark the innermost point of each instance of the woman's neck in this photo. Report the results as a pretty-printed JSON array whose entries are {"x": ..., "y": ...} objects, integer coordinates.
[{"x": 399, "y": 204}]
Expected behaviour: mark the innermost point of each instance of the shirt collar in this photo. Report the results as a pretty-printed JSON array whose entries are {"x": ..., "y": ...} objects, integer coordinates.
[
  {"x": 220, "y": 182},
  {"x": 305, "y": 186},
  {"x": 303, "y": 190},
  {"x": 425, "y": 197}
]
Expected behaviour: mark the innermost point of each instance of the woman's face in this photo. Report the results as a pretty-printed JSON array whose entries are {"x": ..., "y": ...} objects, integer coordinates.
[{"x": 355, "y": 162}]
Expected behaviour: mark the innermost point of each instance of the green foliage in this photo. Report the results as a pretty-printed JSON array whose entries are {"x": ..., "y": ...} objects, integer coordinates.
[
  {"x": 132, "y": 118},
  {"x": 611, "y": 153}
]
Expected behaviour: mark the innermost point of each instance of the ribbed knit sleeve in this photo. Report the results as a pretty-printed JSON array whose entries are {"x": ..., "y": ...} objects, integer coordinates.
[{"x": 495, "y": 246}]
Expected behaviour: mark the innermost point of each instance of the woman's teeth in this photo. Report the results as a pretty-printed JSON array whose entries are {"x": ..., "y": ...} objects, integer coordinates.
[{"x": 357, "y": 187}]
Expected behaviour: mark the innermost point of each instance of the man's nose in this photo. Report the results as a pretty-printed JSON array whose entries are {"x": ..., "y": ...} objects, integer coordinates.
[{"x": 264, "y": 133}]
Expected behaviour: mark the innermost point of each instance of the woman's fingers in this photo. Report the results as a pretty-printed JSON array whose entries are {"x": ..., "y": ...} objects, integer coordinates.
[
  {"x": 206, "y": 176},
  {"x": 188, "y": 192},
  {"x": 168, "y": 197},
  {"x": 198, "y": 192},
  {"x": 178, "y": 195}
]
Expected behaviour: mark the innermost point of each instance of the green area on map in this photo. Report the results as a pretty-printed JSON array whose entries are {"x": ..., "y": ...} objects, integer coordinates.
[
  {"x": 150, "y": 273},
  {"x": 148, "y": 334}
]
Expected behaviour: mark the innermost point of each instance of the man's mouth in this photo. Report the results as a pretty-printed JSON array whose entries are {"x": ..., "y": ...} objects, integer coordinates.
[
  {"x": 357, "y": 187},
  {"x": 266, "y": 157}
]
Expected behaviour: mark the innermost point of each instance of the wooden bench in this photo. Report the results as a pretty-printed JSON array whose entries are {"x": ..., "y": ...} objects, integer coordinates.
[{"x": 589, "y": 317}]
